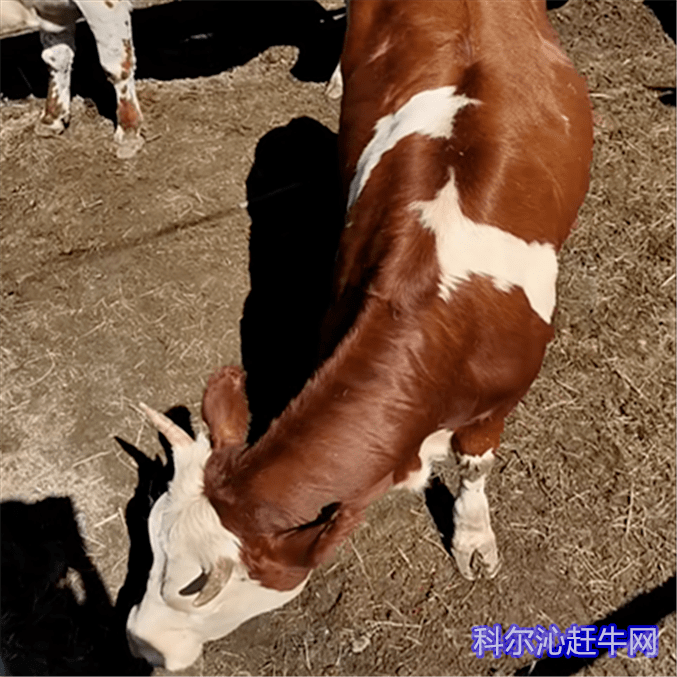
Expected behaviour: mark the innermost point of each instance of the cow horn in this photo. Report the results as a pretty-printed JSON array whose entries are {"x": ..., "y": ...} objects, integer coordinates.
[
  {"x": 216, "y": 579},
  {"x": 176, "y": 436}
]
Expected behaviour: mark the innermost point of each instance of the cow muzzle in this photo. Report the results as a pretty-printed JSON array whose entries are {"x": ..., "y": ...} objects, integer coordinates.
[
  {"x": 141, "y": 649},
  {"x": 161, "y": 637}
]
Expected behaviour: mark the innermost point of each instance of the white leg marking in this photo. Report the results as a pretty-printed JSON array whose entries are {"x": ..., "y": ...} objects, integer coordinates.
[
  {"x": 472, "y": 524},
  {"x": 58, "y": 52},
  {"x": 430, "y": 113},
  {"x": 435, "y": 447},
  {"x": 111, "y": 26},
  {"x": 335, "y": 87},
  {"x": 465, "y": 248}
]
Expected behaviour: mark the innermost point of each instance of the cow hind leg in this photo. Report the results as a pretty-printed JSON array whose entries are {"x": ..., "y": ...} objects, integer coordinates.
[
  {"x": 110, "y": 23},
  {"x": 473, "y": 536},
  {"x": 58, "y": 49}
]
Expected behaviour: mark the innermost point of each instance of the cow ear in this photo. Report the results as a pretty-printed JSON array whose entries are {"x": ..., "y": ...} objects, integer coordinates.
[
  {"x": 224, "y": 407},
  {"x": 209, "y": 584}
]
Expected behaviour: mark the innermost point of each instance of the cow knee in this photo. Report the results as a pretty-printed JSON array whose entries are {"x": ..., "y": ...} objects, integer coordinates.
[{"x": 58, "y": 54}]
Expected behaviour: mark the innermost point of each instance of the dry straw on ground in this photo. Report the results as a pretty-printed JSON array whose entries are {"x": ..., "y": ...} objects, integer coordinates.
[{"x": 126, "y": 282}]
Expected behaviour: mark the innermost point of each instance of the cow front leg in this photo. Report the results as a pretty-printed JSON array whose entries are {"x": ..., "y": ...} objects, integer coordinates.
[
  {"x": 334, "y": 88},
  {"x": 110, "y": 22},
  {"x": 58, "y": 49},
  {"x": 335, "y": 85},
  {"x": 473, "y": 535}
]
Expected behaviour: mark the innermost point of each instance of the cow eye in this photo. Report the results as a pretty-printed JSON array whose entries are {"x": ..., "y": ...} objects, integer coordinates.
[{"x": 196, "y": 585}]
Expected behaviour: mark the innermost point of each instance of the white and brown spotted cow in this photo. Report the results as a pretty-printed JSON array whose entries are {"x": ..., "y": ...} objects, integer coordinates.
[
  {"x": 465, "y": 139},
  {"x": 110, "y": 22}
]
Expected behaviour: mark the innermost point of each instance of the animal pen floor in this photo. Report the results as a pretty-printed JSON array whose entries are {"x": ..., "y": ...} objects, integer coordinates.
[{"x": 128, "y": 281}]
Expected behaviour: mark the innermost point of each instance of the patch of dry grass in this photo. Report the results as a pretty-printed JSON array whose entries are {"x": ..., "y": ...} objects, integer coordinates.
[{"x": 122, "y": 284}]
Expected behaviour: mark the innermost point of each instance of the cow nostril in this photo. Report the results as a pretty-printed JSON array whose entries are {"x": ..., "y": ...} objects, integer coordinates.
[{"x": 141, "y": 649}]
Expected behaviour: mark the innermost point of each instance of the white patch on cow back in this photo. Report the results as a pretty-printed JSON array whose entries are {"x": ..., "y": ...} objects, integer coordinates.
[
  {"x": 430, "y": 113},
  {"x": 435, "y": 447},
  {"x": 466, "y": 248}
]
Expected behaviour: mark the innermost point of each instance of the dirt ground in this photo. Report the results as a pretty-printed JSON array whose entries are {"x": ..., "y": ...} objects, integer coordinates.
[{"x": 128, "y": 281}]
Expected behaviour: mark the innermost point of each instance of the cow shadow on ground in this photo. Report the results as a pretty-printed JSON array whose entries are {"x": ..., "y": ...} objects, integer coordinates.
[
  {"x": 57, "y": 617},
  {"x": 296, "y": 209},
  {"x": 187, "y": 39},
  {"x": 646, "y": 610},
  {"x": 666, "y": 13}
]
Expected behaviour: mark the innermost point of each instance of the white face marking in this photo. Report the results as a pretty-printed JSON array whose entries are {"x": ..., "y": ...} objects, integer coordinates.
[
  {"x": 465, "y": 248},
  {"x": 472, "y": 523},
  {"x": 187, "y": 538},
  {"x": 430, "y": 113}
]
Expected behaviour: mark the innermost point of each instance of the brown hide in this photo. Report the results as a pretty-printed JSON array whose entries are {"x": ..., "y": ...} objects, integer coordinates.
[{"x": 411, "y": 362}]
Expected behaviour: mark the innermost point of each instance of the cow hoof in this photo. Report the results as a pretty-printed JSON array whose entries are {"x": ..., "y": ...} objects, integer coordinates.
[
  {"x": 476, "y": 558},
  {"x": 129, "y": 146},
  {"x": 50, "y": 129}
]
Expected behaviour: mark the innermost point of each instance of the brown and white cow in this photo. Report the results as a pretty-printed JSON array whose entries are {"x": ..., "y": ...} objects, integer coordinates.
[
  {"x": 110, "y": 22},
  {"x": 466, "y": 140}
]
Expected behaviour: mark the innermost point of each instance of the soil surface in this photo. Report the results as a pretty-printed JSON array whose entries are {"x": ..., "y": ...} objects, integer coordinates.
[{"x": 128, "y": 281}]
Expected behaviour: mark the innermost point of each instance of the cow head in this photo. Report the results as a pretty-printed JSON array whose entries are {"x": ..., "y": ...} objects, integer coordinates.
[{"x": 198, "y": 588}]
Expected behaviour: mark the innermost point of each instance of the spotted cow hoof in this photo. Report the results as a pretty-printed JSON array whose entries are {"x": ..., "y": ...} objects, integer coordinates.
[
  {"x": 50, "y": 128},
  {"x": 129, "y": 144},
  {"x": 476, "y": 554}
]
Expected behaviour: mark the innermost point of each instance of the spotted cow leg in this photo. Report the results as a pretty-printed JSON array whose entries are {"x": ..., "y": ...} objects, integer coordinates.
[
  {"x": 111, "y": 25},
  {"x": 58, "y": 49},
  {"x": 473, "y": 535}
]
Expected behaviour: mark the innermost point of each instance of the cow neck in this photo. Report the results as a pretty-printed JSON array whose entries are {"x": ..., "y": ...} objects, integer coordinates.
[{"x": 338, "y": 442}]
